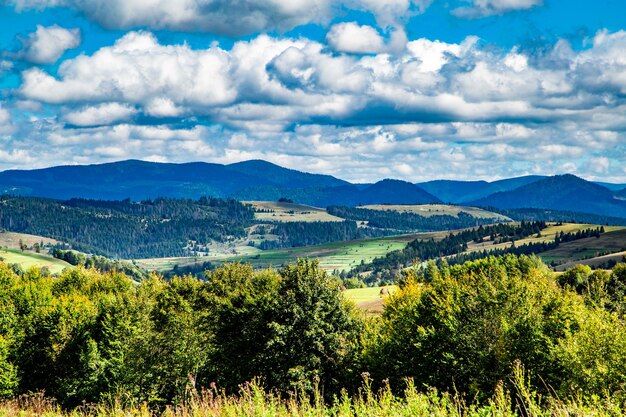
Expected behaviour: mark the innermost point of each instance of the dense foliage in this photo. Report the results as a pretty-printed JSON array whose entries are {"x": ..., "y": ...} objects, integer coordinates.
[
  {"x": 100, "y": 263},
  {"x": 548, "y": 215},
  {"x": 125, "y": 229},
  {"x": 294, "y": 234},
  {"x": 394, "y": 220},
  {"x": 90, "y": 336}
]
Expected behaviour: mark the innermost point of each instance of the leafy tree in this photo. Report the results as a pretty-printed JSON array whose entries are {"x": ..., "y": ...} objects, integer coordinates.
[{"x": 464, "y": 329}]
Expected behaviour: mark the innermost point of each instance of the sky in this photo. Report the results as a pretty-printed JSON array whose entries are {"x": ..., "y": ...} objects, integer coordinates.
[{"x": 359, "y": 89}]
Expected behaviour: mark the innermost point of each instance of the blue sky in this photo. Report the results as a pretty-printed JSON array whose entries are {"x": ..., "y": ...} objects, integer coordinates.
[{"x": 363, "y": 90}]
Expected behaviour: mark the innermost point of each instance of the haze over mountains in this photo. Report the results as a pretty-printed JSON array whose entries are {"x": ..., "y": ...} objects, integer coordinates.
[{"x": 261, "y": 180}]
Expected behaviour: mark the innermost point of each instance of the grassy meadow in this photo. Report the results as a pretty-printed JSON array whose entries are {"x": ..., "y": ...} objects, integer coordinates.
[
  {"x": 370, "y": 300},
  {"x": 332, "y": 256},
  {"x": 274, "y": 211},
  {"x": 429, "y": 210},
  {"x": 29, "y": 259},
  {"x": 12, "y": 240}
]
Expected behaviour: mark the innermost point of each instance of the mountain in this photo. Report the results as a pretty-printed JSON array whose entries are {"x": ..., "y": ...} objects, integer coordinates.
[
  {"x": 560, "y": 192},
  {"x": 457, "y": 192},
  {"x": 249, "y": 180},
  {"x": 284, "y": 176},
  {"x": 611, "y": 186},
  {"x": 396, "y": 192}
]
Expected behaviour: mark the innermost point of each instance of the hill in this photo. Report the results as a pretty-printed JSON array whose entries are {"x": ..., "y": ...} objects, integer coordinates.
[
  {"x": 140, "y": 180},
  {"x": 561, "y": 192},
  {"x": 28, "y": 259},
  {"x": 430, "y": 210},
  {"x": 249, "y": 180},
  {"x": 464, "y": 191},
  {"x": 394, "y": 192}
]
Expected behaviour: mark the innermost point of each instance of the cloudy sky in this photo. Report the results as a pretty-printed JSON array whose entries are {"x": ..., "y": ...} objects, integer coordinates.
[{"x": 363, "y": 90}]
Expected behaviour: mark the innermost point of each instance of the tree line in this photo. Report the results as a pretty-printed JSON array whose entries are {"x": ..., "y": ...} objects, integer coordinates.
[
  {"x": 295, "y": 234},
  {"x": 387, "y": 268},
  {"x": 90, "y": 337},
  {"x": 404, "y": 221}
]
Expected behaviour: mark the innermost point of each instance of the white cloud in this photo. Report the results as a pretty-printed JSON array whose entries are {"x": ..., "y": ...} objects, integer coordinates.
[
  {"x": 353, "y": 38},
  {"x": 6, "y": 124},
  {"x": 222, "y": 17},
  {"x": 47, "y": 44},
  {"x": 462, "y": 106},
  {"x": 137, "y": 69},
  {"x": 482, "y": 8},
  {"x": 104, "y": 114}
]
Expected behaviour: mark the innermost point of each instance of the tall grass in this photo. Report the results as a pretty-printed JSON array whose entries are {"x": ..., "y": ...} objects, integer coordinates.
[{"x": 253, "y": 401}]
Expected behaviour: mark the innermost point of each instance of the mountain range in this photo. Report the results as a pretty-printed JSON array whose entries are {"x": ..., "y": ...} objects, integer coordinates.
[{"x": 262, "y": 180}]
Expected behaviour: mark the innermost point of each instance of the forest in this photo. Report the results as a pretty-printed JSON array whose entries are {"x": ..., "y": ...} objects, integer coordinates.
[
  {"x": 549, "y": 215},
  {"x": 294, "y": 234},
  {"x": 389, "y": 219},
  {"x": 494, "y": 334},
  {"x": 125, "y": 229}
]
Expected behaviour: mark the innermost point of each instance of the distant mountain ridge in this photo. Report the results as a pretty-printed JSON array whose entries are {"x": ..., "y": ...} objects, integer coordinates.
[
  {"x": 560, "y": 192},
  {"x": 248, "y": 180},
  {"x": 262, "y": 180},
  {"x": 457, "y": 192}
]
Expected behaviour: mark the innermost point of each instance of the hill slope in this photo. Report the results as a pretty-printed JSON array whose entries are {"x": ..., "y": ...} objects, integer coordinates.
[
  {"x": 561, "y": 192},
  {"x": 464, "y": 191},
  {"x": 249, "y": 180}
]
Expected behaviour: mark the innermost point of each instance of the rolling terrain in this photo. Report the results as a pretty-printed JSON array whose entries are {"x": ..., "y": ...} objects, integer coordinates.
[
  {"x": 459, "y": 192},
  {"x": 561, "y": 192},
  {"x": 430, "y": 210},
  {"x": 258, "y": 180}
]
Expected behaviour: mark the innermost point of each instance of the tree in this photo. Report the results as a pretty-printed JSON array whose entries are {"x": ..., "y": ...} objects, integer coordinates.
[
  {"x": 291, "y": 327},
  {"x": 464, "y": 329}
]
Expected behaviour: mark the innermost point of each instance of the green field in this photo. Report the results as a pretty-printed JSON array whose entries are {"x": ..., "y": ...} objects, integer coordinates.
[
  {"x": 29, "y": 259},
  {"x": 290, "y": 212},
  {"x": 429, "y": 210},
  {"x": 613, "y": 241},
  {"x": 340, "y": 256},
  {"x": 369, "y": 299},
  {"x": 332, "y": 256},
  {"x": 548, "y": 235}
]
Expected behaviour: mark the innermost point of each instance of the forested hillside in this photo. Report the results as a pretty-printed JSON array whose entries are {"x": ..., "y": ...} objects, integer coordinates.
[
  {"x": 561, "y": 192},
  {"x": 402, "y": 222},
  {"x": 548, "y": 215},
  {"x": 125, "y": 229}
]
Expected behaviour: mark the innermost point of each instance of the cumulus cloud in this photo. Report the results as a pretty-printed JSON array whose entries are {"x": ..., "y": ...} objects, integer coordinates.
[
  {"x": 6, "y": 126},
  {"x": 270, "y": 83},
  {"x": 47, "y": 44},
  {"x": 219, "y": 16},
  {"x": 482, "y": 8},
  {"x": 104, "y": 114},
  {"x": 354, "y": 38},
  {"x": 137, "y": 69},
  {"x": 462, "y": 106}
]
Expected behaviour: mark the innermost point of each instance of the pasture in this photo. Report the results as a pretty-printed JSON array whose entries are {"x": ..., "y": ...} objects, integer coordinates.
[
  {"x": 580, "y": 251},
  {"x": 273, "y": 211},
  {"x": 11, "y": 240},
  {"x": 337, "y": 256},
  {"x": 430, "y": 210},
  {"x": 370, "y": 300},
  {"x": 547, "y": 235},
  {"x": 28, "y": 259}
]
